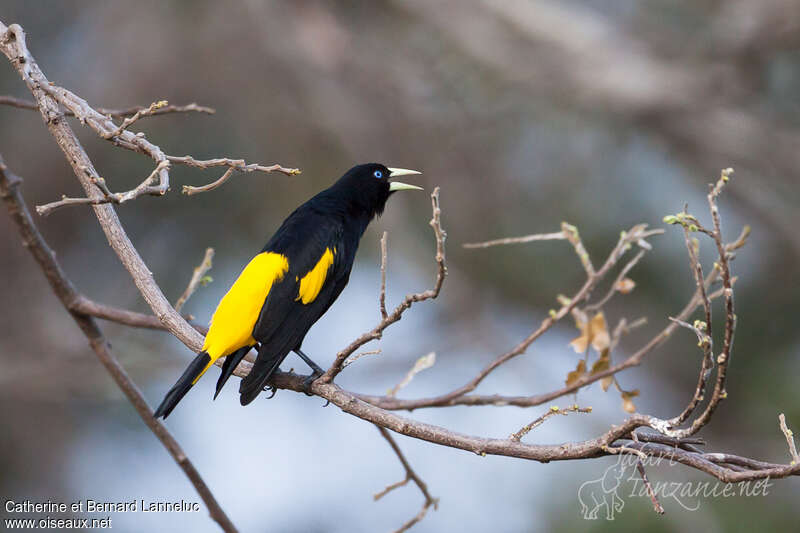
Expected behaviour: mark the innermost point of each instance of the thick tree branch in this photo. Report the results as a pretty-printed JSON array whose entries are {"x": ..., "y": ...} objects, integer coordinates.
[
  {"x": 12, "y": 44},
  {"x": 66, "y": 292},
  {"x": 49, "y": 97},
  {"x": 86, "y": 306}
]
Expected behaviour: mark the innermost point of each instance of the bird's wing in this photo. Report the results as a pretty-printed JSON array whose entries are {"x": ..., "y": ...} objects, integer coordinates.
[
  {"x": 318, "y": 259},
  {"x": 319, "y": 267}
]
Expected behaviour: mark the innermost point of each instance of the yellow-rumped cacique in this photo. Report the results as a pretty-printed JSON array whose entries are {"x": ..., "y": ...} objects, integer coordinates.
[{"x": 287, "y": 287}]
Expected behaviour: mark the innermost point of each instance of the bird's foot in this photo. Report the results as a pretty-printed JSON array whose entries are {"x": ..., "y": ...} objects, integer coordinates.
[
  {"x": 273, "y": 389},
  {"x": 309, "y": 381}
]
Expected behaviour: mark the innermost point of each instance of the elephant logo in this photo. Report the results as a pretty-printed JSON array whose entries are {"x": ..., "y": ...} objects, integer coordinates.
[{"x": 598, "y": 493}]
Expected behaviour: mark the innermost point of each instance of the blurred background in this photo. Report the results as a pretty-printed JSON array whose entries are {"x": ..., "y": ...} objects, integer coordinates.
[{"x": 601, "y": 113}]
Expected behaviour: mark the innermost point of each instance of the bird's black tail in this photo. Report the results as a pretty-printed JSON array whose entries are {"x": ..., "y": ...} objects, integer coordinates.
[
  {"x": 182, "y": 386},
  {"x": 229, "y": 366},
  {"x": 266, "y": 365}
]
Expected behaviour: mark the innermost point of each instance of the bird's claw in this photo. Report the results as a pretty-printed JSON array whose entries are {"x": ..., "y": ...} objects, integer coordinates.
[{"x": 273, "y": 389}]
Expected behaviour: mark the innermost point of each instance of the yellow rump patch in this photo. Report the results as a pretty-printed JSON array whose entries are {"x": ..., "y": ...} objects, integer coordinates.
[
  {"x": 312, "y": 282},
  {"x": 236, "y": 315}
]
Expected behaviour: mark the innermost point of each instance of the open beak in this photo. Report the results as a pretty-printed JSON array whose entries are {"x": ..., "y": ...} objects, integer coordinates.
[{"x": 398, "y": 186}]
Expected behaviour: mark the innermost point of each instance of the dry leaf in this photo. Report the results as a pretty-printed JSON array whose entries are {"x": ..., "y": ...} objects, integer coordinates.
[
  {"x": 625, "y": 285},
  {"x": 576, "y": 374},
  {"x": 627, "y": 400},
  {"x": 595, "y": 333},
  {"x": 603, "y": 363}
]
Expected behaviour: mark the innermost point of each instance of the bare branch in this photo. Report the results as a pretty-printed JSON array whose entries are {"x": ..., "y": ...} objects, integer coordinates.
[
  {"x": 559, "y": 235},
  {"x": 353, "y": 358},
  {"x": 382, "y": 298},
  {"x": 145, "y": 187},
  {"x": 350, "y": 404},
  {"x": 571, "y": 234},
  {"x": 789, "y": 439},
  {"x": 615, "y": 286},
  {"x": 85, "y": 306},
  {"x": 554, "y": 410},
  {"x": 722, "y": 265},
  {"x": 234, "y": 165},
  {"x": 49, "y": 97},
  {"x": 459, "y": 396},
  {"x": 657, "y": 507},
  {"x": 408, "y": 301},
  {"x": 410, "y": 476},
  {"x": 63, "y": 288},
  {"x": 423, "y": 363},
  {"x": 115, "y": 113},
  {"x": 389, "y": 488},
  {"x": 198, "y": 276},
  {"x": 12, "y": 44},
  {"x": 620, "y": 438},
  {"x": 620, "y": 449},
  {"x": 155, "y": 106}
]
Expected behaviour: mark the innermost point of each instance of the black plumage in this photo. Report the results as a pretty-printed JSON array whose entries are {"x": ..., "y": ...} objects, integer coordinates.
[{"x": 319, "y": 241}]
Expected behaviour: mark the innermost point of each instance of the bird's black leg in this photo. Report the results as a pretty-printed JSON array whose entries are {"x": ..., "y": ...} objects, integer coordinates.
[{"x": 317, "y": 371}]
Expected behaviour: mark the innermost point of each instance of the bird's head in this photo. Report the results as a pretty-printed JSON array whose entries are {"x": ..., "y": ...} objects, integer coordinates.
[{"x": 370, "y": 185}]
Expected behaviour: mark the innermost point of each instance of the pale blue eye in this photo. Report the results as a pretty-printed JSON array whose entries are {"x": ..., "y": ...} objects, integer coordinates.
[{"x": 378, "y": 174}]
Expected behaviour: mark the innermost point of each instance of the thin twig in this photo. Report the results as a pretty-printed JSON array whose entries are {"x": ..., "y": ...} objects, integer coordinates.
[
  {"x": 571, "y": 234},
  {"x": 382, "y": 298},
  {"x": 115, "y": 113},
  {"x": 108, "y": 196},
  {"x": 233, "y": 165},
  {"x": 389, "y": 488},
  {"x": 635, "y": 235},
  {"x": 198, "y": 276},
  {"x": 690, "y": 223},
  {"x": 127, "y": 122},
  {"x": 789, "y": 439},
  {"x": 616, "y": 450},
  {"x": 408, "y": 301},
  {"x": 652, "y": 493},
  {"x": 703, "y": 329},
  {"x": 559, "y": 235},
  {"x": 461, "y": 396},
  {"x": 614, "y": 286},
  {"x": 50, "y": 98},
  {"x": 353, "y": 358},
  {"x": 554, "y": 410},
  {"x": 423, "y": 363},
  {"x": 430, "y": 501}
]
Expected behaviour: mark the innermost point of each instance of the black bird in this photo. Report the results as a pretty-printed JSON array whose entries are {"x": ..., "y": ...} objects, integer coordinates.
[{"x": 287, "y": 287}]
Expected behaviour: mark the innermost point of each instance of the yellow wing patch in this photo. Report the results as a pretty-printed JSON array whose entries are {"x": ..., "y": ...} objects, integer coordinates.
[
  {"x": 311, "y": 283},
  {"x": 236, "y": 315}
]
